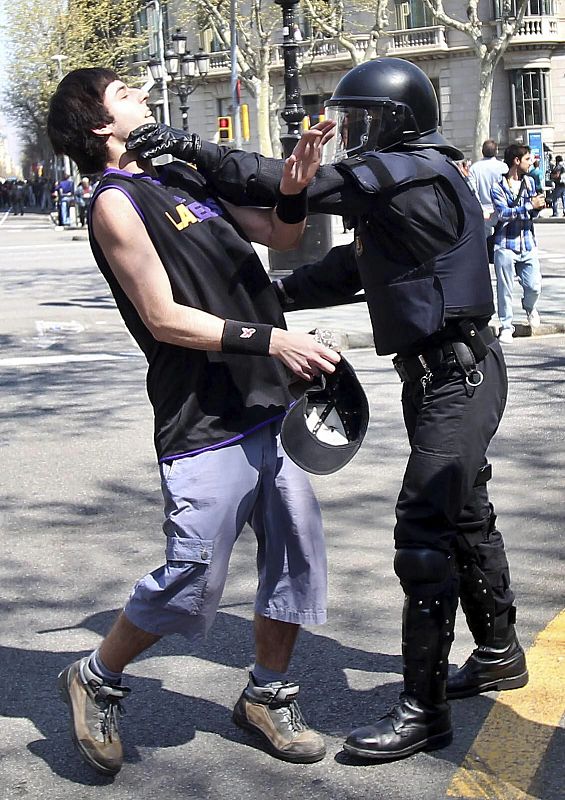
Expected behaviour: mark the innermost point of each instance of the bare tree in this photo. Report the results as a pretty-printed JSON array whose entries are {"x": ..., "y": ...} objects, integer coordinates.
[
  {"x": 489, "y": 47},
  {"x": 259, "y": 28},
  {"x": 340, "y": 22},
  {"x": 255, "y": 31}
]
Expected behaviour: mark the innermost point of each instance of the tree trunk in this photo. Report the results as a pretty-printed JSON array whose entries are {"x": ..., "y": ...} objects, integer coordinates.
[
  {"x": 263, "y": 112},
  {"x": 275, "y": 122},
  {"x": 482, "y": 125}
]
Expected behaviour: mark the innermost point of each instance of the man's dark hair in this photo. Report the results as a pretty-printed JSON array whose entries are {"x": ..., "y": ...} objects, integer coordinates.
[
  {"x": 515, "y": 151},
  {"x": 489, "y": 148},
  {"x": 76, "y": 108},
  {"x": 558, "y": 159}
]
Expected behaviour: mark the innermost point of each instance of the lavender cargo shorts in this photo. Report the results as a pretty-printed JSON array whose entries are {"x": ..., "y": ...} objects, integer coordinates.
[{"x": 208, "y": 499}]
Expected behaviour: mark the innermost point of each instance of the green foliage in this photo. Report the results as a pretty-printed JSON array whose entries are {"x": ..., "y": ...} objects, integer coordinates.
[{"x": 87, "y": 32}]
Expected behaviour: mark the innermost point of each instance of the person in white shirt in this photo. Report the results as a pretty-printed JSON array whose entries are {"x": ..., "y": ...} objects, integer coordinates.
[{"x": 482, "y": 175}]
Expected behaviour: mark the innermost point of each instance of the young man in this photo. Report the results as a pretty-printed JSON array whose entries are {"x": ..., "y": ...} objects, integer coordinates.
[
  {"x": 420, "y": 254},
  {"x": 516, "y": 203},
  {"x": 194, "y": 295}
]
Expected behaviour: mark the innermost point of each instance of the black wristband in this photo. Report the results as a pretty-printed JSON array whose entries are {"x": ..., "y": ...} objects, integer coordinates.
[
  {"x": 292, "y": 208},
  {"x": 252, "y": 338}
]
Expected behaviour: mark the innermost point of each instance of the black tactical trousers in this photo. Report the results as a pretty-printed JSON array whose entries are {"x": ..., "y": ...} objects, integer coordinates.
[{"x": 450, "y": 425}]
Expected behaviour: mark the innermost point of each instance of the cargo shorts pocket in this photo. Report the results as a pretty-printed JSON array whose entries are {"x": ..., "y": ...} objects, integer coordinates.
[{"x": 188, "y": 566}]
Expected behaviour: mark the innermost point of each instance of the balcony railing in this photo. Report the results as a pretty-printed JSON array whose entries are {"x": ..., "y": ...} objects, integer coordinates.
[
  {"x": 309, "y": 51},
  {"x": 533, "y": 29},
  {"x": 416, "y": 39}
]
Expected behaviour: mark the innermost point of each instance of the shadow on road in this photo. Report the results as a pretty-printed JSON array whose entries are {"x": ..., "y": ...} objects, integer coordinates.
[{"x": 160, "y": 718}]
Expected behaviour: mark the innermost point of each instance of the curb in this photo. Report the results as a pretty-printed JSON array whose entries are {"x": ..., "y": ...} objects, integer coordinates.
[
  {"x": 521, "y": 330},
  {"x": 364, "y": 339},
  {"x": 550, "y": 220},
  {"x": 354, "y": 340}
]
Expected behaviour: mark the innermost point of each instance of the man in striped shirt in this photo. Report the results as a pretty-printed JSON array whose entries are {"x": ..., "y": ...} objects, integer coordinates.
[{"x": 516, "y": 203}]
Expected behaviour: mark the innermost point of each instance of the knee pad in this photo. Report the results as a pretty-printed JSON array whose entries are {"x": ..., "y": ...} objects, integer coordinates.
[{"x": 430, "y": 571}]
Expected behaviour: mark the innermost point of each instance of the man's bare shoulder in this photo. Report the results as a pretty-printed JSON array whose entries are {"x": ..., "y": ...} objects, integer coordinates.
[{"x": 112, "y": 209}]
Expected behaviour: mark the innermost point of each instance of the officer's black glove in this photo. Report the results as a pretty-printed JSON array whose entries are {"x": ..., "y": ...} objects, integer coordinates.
[{"x": 155, "y": 139}]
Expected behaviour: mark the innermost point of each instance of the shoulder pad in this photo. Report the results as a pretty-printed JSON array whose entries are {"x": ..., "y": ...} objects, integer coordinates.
[{"x": 369, "y": 173}]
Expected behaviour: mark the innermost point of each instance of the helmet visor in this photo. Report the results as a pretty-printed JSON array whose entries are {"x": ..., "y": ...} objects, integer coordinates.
[{"x": 374, "y": 127}]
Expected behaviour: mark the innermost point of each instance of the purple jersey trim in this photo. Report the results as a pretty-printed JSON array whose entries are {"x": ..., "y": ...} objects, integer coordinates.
[
  {"x": 139, "y": 176},
  {"x": 225, "y": 443},
  {"x": 123, "y": 191}
]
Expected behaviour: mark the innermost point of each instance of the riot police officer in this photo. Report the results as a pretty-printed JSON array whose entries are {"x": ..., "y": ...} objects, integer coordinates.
[{"x": 420, "y": 252}]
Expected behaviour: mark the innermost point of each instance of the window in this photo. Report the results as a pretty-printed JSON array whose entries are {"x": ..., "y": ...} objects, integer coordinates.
[
  {"x": 530, "y": 97},
  {"x": 412, "y": 14},
  {"x": 435, "y": 84},
  {"x": 209, "y": 42},
  {"x": 535, "y": 8},
  {"x": 147, "y": 24},
  {"x": 224, "y": 106}
]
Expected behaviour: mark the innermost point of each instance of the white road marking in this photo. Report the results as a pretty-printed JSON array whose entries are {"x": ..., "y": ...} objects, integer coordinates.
[{"x": 43, "y": 361}]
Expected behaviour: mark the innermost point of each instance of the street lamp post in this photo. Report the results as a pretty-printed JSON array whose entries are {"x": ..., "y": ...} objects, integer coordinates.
[
  {"x": 317, "y": 238},
  {"x": 293, "y": 112},
  {"x": 184, "y": 70},
  {"x": 158, "y": 71}
]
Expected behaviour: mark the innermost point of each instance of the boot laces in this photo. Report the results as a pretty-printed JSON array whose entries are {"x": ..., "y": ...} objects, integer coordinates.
[
  {"x": 290, "y": 715},
  {"x": 108, "y": 701}
]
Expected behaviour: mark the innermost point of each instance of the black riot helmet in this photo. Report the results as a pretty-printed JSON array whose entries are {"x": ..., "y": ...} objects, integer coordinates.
[{"x": 384, "y": 104}]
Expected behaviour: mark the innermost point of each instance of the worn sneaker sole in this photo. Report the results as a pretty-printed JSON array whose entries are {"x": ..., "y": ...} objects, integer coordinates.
[
  {"x": 432, "y": 743},
  {"x": 500, "y": 685},
  {"x": 311, "y": 758},
  {"x": 62, "y": 683}
]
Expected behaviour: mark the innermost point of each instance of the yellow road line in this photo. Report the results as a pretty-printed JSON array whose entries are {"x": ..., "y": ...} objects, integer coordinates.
[{"x": 508, "y": 750}]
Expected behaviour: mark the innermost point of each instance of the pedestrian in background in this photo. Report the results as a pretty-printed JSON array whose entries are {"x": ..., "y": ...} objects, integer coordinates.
[
  {"x": 65, "y": 193},
  {"x": 517, "y": 203},
  {"x": 18, "y": 196},
  {"x": 538, "y": 177},
  {"x": 482, "y": 174},
  {"x": 83, "y": 196},
  {"x": 558, "y": 177}
]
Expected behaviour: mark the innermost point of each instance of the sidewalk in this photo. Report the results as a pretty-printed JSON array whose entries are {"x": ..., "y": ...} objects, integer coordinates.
[{"x": 352, "y": 322}]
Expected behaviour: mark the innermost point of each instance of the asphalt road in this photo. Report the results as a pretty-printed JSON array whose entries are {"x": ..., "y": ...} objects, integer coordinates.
[{"x": 80, "y": 513}]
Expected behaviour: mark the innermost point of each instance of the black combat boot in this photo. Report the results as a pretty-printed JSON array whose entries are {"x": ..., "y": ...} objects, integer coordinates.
[
  {"x": 409, "y": 726},
  {"x": 498, "y": 662},
  {"x": 420, "y": 720},
  {"x": 492, "y": 667}
]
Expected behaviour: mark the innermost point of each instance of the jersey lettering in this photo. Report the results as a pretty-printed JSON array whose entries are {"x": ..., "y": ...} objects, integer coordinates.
[
  {"x": 189, "y": 213},
  {"x": 186, "y": 217}
]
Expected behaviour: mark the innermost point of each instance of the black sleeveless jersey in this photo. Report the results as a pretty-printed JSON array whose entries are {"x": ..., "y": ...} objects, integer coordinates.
[{"x": 201, "y": 399}]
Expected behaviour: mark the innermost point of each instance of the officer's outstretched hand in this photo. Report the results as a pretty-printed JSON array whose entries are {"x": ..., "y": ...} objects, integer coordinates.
[
  {"x": 302, "y": 164},
  {"x": 302, "y": 353},
  {"x": 155, "y": 139}
]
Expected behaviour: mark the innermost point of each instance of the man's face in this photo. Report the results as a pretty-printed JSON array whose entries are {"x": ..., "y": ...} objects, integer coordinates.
[
  {"x": 523, "y": 163},
  {"x": 128, "y": 108}
]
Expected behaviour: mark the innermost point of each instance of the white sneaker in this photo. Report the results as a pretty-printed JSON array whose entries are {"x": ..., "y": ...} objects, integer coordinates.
[
  {"x": 506, "y": 336},
  {"x": 533, "y": 318}
]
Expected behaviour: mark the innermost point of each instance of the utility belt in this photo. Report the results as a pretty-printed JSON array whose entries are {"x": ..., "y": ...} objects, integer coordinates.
[{"x": 464, "y": 347}]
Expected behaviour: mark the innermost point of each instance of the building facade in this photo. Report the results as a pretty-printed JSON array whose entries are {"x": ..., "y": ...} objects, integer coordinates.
[
  {"x": 8, "y": 167},
  {"x": 529, "y": 85}
]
